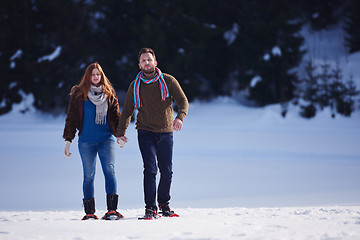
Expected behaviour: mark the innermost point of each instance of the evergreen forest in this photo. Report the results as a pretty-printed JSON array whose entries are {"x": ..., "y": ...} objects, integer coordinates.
[{"x": 213, "y": 48}]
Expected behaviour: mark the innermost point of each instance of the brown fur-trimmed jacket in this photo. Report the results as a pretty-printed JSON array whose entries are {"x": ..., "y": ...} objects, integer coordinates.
[{"x": 75, "y": 115}]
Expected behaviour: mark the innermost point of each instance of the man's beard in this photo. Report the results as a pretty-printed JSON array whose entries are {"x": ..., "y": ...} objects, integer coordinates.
[{"x": 149, "y": 71}]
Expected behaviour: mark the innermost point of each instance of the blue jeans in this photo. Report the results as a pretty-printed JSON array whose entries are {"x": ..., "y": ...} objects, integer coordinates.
[
  {"x": 156, "y": 150},
  {"x": 106, "y": 152}
]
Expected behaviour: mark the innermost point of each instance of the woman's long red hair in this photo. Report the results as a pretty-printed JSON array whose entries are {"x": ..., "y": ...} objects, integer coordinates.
[{"x": 83, "y": 87}]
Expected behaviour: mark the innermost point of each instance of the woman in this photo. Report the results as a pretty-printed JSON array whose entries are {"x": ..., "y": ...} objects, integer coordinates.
[{"x": 94, "y": 111}]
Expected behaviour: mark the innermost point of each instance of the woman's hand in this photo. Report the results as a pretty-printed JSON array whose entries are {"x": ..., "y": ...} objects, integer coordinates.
[
  {"x": 67, "y": 152},
  {"x": 121, "y": 141}
]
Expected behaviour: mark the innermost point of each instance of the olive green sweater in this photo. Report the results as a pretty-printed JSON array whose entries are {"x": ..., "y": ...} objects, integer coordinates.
[{"x": 155, "y": 115}]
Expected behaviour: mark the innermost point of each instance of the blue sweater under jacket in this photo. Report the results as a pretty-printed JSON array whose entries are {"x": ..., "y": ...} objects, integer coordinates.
[{"x": 92, "y": 132}]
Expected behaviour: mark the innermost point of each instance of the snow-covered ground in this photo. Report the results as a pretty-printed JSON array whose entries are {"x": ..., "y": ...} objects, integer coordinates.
[
  {"x": 239, "y": 173},
  {"x": 194, "y": 223}
]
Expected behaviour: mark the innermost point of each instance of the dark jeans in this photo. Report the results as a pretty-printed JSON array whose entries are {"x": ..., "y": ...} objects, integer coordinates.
[
  {"x": 156, "y": 150},
  {"x": 106, "y": 152}
]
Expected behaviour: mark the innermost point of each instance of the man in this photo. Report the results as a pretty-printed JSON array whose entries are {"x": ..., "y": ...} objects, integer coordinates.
[{"x": 152, "y": 93}]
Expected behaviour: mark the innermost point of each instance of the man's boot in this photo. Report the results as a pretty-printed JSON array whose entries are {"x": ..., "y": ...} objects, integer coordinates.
[{"x": 166, "y": 211}]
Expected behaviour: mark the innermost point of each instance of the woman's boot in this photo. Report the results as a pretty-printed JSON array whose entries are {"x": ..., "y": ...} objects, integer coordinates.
[
  {"x": 89, "y": 207},
  {"x": 112, "y": 202}
]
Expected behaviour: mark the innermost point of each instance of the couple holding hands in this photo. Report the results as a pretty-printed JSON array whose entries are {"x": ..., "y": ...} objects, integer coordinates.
[{"x": 93, "y": 111}]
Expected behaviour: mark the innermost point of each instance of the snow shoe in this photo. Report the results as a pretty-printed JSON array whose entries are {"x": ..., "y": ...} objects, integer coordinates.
[
  {"x": 165, "y": 211},
  {"x": 112, "y": 215},
  {"x": 90, "y": 216},
  {"x": 150, "y": 214}
]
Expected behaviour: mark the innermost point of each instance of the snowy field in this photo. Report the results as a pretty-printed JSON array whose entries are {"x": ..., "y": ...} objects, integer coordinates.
[
  {"x": 239, "y": 173},
  {"x": 194, "y": 223}
]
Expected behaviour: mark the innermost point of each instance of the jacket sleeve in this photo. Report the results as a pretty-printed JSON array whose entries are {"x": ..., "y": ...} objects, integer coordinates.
[
  {"x": 71, "y": 120},
  {"x": 126, "y": 113},
  {"x": 114, "y": 114}
]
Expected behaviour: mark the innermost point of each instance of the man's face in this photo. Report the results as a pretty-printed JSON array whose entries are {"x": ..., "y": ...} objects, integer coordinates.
[{"x": 147, "y": 63}]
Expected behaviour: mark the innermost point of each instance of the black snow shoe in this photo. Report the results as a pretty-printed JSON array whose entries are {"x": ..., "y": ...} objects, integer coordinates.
[
  {"x": 112, "y": 215},
  {"x": 165, "y": 211},
  {"x": 90, "y": 216},
  {"x": 150, "y": 214}
]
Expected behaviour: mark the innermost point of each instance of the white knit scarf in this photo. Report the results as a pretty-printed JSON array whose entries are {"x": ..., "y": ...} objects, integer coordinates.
[{"x": 97, "y": 97}]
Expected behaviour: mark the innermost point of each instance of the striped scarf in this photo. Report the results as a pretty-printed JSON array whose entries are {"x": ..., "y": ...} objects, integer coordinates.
[{"x": 162, "y": 84}]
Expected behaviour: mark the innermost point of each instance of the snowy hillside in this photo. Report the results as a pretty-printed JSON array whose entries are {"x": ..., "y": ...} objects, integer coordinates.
[{"x": 328, "y": 46}]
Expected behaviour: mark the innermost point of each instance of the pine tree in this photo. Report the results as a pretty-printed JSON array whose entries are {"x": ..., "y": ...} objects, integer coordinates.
[
  {"x": 352, "y": 27},
  {"x": 186, "y": 43},
  {"x": 337, "y": 89},
  {"x": 37, "y": 29},
  {"x": 65, "y": 26},
  {"x": 325, "y": 79},
  {"x": 325, "y": 89},
  {"x": 275, "y": 50},
  {"x": 16, "y": 33},
  {"x": 322, "y": 14},
  {"x": 308, "y": 91},
  {"x": 346, "y": 104}
]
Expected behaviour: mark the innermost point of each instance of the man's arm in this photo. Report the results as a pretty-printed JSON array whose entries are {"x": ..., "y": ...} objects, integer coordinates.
[
  {"x": 181, "y": 101},
  {"x": 126, "y": 113}
]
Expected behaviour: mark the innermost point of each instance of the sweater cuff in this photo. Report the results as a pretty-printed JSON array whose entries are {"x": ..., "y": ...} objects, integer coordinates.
[
  {"x": 120, "y": 133},
  {"x": 181, "y": 116}
]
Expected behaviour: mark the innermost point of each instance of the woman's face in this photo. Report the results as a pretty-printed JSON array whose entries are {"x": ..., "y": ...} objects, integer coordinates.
[{"x": 95, "y": 77}]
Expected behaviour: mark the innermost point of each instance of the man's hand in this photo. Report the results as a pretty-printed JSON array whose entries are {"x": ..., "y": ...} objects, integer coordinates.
[
  {"x": 121, "y": 141},
  {"x": 177, "y": 124}
]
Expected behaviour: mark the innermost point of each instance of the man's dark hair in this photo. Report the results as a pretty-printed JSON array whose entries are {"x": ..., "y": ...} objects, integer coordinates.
[{"x": 146, "y": 50}]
